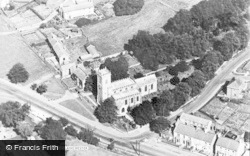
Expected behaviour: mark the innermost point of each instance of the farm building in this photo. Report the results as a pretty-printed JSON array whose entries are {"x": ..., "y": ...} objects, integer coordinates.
[{"x": 71, "y": 9}]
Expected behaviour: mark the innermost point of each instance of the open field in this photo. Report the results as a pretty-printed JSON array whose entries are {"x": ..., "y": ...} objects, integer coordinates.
[
  {"x": 110, "y": 35},
  {"x": 14, "y": 50}
]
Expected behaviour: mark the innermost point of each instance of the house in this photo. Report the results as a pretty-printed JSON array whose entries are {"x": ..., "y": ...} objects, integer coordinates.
[
  {"x": 188, "y": 119},
  {"x": 196, "y": 139},
  {"x": 71, "y": 9},
  {"x": 247, "y": 139},
  {"x": 81, "y": 76},
  {"x": 126, "y": 92},
  {"x": 236, "y": 89},
  {"x": 228, "y": 147},
  {"x": 4, "y": 3},
  {"x": 62, "y": 56}
]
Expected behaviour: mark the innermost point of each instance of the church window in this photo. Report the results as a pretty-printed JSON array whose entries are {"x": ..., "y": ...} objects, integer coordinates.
[
  {"x": 132, "y": 100},
  {"x": 146, "y": 88},
  {"x": 139, "y": 89},
  {"x": 123, "y": 110},
  {"x": 137, "y": 98},
  {"x": 126, "y": 102},
  {"x": 152, "y": 86}
]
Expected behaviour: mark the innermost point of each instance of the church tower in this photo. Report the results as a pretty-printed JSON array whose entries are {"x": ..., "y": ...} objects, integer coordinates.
[{"x": 103, "y": 84}]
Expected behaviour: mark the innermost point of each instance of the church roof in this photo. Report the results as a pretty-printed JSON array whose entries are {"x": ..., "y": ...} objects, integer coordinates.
[
  {"x": 122, "y": 83},
  {"x": 125, "y": 94},
  {"x": 192, "y": 132},
  {"x": 146, "y": 80},
  {"x": 227, "y": 143},
  {"x": 80, "y": 73}
]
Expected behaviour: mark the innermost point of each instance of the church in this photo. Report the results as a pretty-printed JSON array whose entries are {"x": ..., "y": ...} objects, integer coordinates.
[{"x": 126, "y": 92}]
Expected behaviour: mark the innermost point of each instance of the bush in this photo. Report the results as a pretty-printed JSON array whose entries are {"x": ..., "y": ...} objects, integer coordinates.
[
  {"x": 138, "y": 75},
  {"x": 18, "y": 74},
  {"x": 82, "y": 22},
  {"x": 175, "y": 80},
  {"x": 127, "y": 7},
  {"x": 182, "y": 66},
  {"x": 33, "y": 87},
  {"x": 70, "y": 130},
  {"x": 111, "y": 146},
  {"x": 41, "y": 89},
  {"x": 173, "y": 71},
  {"x": 64, "y": 121}
]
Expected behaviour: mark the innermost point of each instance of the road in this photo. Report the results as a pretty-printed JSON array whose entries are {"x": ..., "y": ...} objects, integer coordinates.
[{"x": 26, "y": 94}]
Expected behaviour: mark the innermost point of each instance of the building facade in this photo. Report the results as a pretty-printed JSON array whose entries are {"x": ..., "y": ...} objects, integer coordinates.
[
  {"x": 228, "y": 147},
  {"x": 195, "y": 139},
  {"x": 125, "y": 92},
  {"x": 71, "y": 9}
]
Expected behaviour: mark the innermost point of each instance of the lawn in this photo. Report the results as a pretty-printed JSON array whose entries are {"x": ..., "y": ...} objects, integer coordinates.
[
  {"x": 55, "y": 88},
  {"x": 77, "y": 107},
  {"x": 14, "y": 50},
  {"x": 110, "y": 35},
  {"x": 214, "y": 107}
]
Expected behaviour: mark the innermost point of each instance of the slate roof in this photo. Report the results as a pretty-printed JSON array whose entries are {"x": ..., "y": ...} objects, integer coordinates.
[
  {"x": 194, "y": 119},
  {"x": 146, "y": 80},
  {"x": 126, "y": 94},
  {"x": 227, "y": 143},
  {"x": 192, "y": 132}
]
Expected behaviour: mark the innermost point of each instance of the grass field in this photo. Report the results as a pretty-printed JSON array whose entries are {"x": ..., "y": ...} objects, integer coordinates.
[
  {"x": 77, "y": 107},
  {"x": 14, "y": 50},
  {"x": 110, "y": 35}
]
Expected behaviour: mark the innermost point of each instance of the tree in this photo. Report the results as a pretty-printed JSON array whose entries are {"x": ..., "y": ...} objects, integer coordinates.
[
  {"x": 18, "y": 74},
  {"x": 12, "y": 113},
  {"x": 111, "y": 146},
  {"x": 52, "y": 130},
  {"x": 87, "y": 136},
  {"x": 64, "y": 121},
  {"x": 118, "y": 69},
  {"x": 138, "y": 75},
  {"x": 42, "y": 89},
  {"x": 175, "y": 80},
  {"x": 164, "y": 104},
  {"x": 107, "y": 111},
  {"x": 182, "y": 66},
  {"x": 34, "y": 86},
  {"x": 91, "y": 83},
  {"x": 173, "y": 71},
  {"x": 25, "y": 129},
  {"x": 70, "y": 130},
  {"x": 144, "y": 113},
  {"x": 196, "y": 81},
  {"x": 159, "y": 125},
  {"x": 181, "y": 94},
  {"x": 127, "y": 7}
]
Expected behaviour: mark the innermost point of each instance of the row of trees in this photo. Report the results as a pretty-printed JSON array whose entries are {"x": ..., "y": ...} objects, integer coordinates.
[
  {"x": 213, "y": 24},
  {"x": 58, "y": 129}
]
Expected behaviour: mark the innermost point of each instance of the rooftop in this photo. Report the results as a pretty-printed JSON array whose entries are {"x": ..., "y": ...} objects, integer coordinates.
[
  {"x": 194, "y": 133},
  {"x": 227, "y": 143},
  {"x": 76, "y": 7},
  {"x": 247, "y": 137},
  {"x": 125, "y": 94},
  {"x": 122, "y": 83},
  {"x": 146, "y": 80},
  {"x": 238, "y": 83},
  {"x": 195, "y": 119},
  {"x": 57, "y": 45}
]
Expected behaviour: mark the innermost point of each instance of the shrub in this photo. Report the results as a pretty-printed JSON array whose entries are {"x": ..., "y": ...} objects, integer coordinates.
[
  {"x": 82, "y": 22},
  {"x": 175, "y": 80},
  {"x": 42, "y": 89},
  {"x": 64, "y": 121},
  {"x": 127, "y": 7}
]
